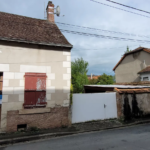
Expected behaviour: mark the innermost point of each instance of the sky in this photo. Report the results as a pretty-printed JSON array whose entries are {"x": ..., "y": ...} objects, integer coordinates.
[{"x": 101, "y": 54}]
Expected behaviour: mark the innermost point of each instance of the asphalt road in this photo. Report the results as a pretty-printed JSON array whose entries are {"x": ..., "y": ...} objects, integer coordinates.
[{"x": 132, "y": 138}]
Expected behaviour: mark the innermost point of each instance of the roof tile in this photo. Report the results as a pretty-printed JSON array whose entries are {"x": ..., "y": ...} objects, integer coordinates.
[
  {"x": 31, "y": 30},
  {"x": 147, "y": 69}
]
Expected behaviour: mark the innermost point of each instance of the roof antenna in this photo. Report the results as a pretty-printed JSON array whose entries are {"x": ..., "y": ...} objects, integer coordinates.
[
  {"x": 44, "y": 11},
  {"x": 57, "y": 11}
]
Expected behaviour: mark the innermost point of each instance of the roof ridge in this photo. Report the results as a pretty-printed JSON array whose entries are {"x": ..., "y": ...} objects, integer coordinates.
[
  {"x": 23, "y": 16},
  {"x": 19, "y": 28},
  {"x": 133, "y": 51}
]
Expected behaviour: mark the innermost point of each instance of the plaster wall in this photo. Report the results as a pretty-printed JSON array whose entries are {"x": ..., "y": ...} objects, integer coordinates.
[
  {"x": 127, "y": 70},
  {"x": 145, "y": 75}
]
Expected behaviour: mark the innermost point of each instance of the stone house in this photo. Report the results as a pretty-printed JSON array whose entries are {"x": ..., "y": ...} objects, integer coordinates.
[
  {"x": 35, "y": 61},
  {"x": 129, "y": 68}
]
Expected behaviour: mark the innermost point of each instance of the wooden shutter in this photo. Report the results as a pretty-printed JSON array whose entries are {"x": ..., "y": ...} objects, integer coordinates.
[{"x": 35, "y": 89}]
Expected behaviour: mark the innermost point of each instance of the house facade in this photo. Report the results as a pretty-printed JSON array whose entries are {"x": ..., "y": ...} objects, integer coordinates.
[
  {"x": 145, "y": 74},
  {"x": 131, "y": 64},
  {"x": 35, "y": 63}
]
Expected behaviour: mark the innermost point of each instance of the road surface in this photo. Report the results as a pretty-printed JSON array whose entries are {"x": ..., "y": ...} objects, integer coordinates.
[{"x": 131, "y": 138}]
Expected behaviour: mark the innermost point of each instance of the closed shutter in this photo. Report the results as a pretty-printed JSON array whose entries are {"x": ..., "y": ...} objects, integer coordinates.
[{"x": 35, "y": 90}]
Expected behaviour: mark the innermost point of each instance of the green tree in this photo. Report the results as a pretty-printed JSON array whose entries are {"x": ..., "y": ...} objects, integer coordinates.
[
  {"x": 93, "y": 81},
  {"x": 105, "y": 79},
  {"x": 79, "y": 75},
  {"x": 128, "y": 50}
]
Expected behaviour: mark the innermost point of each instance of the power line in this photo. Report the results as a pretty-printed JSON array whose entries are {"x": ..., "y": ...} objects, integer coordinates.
[
  {"x": 96, "y": 29},
  {"x": 120, "y": 9},
  {"x": 128, "y": 6},
  {"x": 103, "y": 36},
  {"x": 27, "y": 24},
  {"x": 79, "y": 49},
  {"x": 86, "y": 34}
]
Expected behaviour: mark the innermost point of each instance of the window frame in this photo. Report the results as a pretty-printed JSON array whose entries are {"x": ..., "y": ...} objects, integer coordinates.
[{"x": 35, "y": 89}]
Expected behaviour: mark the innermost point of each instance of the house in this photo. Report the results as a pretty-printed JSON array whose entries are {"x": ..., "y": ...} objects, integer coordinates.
[
  {"x": 145, "y": 74},
  {"x": 129, "y": 67},
  {"x": 35, "y": 71},
  {"x": 90, "y": 77}
]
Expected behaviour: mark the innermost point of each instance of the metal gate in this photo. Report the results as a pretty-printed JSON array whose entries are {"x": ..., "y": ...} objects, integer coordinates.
[{"x": 88, "y": 107}]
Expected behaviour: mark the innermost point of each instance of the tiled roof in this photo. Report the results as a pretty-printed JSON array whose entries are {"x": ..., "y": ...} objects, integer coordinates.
[
  {"x": 147, "y": 69},
  {"x": 131, "y": 52},
  {"x": 93, "y": 77},
  {"x": 130, "y": 91},
  {"x": 30, "y": 30}
]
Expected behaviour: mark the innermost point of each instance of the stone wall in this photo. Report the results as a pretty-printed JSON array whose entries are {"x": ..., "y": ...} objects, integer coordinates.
[
  {"x": 16, "y": 59},
  {"x": 57, "y": 117},
  {"x": 140, "y": 107}
]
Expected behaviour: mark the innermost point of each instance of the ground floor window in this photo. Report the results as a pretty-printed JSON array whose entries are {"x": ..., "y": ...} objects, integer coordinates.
[{"x": 35, "y": 90}]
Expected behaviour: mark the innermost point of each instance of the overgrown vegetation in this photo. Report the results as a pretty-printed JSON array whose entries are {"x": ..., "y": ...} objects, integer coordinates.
[
  {"x": 79, "y": 75},
  {"x": 79, "y": 69}
]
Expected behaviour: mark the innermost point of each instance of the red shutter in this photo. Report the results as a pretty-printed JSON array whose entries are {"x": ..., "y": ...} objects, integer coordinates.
[{"x": 35, "y": 89}]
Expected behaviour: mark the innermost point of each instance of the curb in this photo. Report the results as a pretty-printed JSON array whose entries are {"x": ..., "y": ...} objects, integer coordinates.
[{"x": 51, "y": 135}]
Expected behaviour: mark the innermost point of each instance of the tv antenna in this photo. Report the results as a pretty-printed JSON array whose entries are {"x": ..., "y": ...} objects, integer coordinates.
[{"x": 57, "y": 11}]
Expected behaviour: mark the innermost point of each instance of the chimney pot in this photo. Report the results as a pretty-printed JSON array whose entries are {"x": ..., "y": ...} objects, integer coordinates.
[{"x": 50, "y": 12}]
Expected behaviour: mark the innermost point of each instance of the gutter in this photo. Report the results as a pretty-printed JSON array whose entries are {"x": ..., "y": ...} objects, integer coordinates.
[{"x": 36, "y": 43}]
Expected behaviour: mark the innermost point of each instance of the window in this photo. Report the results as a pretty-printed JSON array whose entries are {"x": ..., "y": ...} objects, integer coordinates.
[
  {"x": 145, "y": 79},
  {"x": 35, "y": 90}
]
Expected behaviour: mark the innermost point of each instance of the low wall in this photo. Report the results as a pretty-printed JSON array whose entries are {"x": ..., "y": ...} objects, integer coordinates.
[{"x": 57, "y": 117}]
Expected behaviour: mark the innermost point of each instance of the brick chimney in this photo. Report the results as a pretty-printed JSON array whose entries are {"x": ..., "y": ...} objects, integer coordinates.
[{"x": 50, "y": 11}]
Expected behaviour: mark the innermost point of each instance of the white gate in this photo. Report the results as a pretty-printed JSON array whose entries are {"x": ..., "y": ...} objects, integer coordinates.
[{"x": 93, "y": 106}]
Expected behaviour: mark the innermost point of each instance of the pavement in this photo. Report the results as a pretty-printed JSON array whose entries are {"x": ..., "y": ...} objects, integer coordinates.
[{"x": 131, "y": 138}]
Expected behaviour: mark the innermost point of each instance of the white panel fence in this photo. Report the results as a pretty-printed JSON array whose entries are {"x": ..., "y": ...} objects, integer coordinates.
[{"x": 93, "y": 106}]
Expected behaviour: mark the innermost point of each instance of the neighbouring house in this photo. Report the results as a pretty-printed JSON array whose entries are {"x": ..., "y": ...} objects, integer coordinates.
[
  {"x": 133, "y": 66},
  {"x": 145, "y": 74},
  {"x": 133, "y": 101},
  {"x": 35, "y": 72}
]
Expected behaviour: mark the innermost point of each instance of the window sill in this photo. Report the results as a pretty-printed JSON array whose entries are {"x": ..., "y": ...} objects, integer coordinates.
[{"x": 34, "y": 111}]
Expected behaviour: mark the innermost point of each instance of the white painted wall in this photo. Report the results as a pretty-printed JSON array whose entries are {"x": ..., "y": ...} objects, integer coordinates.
[
  {"x": 88, "y": 107},
  {"x": 145, "y": 75}
]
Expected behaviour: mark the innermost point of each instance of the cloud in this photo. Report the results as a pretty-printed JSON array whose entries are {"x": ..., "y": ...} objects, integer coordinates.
[{"x": 87, "y": 13}]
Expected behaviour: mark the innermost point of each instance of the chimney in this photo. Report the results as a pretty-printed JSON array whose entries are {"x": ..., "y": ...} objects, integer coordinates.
[
  {"x": 91, "y": 76},
  {"x": 50, "y": 11},
  {"x": 144, "y": 64}
]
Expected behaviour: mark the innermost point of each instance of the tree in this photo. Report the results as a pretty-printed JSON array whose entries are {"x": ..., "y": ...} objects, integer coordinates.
[
  {"x": 79, "y": 82},
  {"x": 105, "y": 79},
  {"x": 128, "y": 50},
  {"x": 79, "y": 66},
  {"x": 93, "y": 81},
  {"x": 79, "y": 75}
]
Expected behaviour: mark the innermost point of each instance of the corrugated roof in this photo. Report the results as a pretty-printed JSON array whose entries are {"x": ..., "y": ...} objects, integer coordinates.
[
  {"x": 131, "y": 52},
  {"x": 130, "y": 91},
  {"x": 118, "y": 86},
  {"x": 30, "y": 30},
  {"x": 147, "y": 69}
]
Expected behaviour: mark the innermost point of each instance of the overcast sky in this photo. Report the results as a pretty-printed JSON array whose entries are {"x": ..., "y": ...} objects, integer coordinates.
[{"x": 102, "y": 54}]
